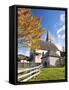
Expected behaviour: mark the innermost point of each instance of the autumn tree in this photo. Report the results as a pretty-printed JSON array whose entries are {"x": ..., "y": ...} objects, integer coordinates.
[{"x": 29, "y": 29}]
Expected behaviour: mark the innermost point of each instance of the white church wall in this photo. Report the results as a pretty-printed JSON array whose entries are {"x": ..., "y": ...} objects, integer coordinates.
[
  {"x": 58, "y": 52},
  {"x": 38, "y": 58},
  {"x": 54, "y": 61},
  {"x": 40, "y": 51}
]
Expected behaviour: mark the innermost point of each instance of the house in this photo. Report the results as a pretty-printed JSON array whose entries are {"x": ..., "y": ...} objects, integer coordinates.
[{"x": 48, "y": 54}]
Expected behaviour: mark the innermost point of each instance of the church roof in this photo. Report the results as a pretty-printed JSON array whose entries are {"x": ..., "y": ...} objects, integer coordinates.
[{"x": 47, "y": 46}]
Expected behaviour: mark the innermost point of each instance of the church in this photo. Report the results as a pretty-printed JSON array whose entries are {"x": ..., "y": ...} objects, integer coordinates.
[{"x": 48, "y": 54}]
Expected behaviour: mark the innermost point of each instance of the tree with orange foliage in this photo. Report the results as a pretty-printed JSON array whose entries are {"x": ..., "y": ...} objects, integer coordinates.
[{"x": 29, "y": 29}]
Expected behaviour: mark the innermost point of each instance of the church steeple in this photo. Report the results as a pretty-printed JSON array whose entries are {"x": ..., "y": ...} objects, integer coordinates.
[{"x": 48, "y": 39}]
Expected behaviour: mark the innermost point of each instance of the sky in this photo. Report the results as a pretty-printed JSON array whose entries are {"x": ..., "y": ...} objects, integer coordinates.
[{"x": 52, "y": 21}]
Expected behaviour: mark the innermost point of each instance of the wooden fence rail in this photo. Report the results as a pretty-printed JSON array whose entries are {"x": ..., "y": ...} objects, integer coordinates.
[{"x": 28, "y": 73}]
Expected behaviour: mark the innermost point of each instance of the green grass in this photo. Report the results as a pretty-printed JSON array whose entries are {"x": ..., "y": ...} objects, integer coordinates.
[{"x": 50, "y": 74}]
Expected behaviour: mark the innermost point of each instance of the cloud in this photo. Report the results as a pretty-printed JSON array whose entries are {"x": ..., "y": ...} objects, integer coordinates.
[
  {"x": 59, "y": 36},
  {"x": 63, "y": 36},
  {"x": 62, "y": 18},
  {"x": 57, "y": 43},
  {"x": 61, "y": 29},
  {"x": 59, "y": 47}
]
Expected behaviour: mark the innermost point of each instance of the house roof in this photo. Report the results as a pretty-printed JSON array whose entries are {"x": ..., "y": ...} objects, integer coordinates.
[{"x": 22, "y": 57}]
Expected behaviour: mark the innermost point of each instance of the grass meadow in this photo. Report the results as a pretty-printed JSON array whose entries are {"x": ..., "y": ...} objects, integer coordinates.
[{"x": 50, "y": 74}]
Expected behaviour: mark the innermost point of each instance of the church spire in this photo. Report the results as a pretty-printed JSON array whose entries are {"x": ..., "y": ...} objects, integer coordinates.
[{"x": 48, "y": 39}]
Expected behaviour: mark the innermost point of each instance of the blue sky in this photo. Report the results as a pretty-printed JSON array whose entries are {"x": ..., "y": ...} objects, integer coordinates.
[{"x": 54, "y": 22}]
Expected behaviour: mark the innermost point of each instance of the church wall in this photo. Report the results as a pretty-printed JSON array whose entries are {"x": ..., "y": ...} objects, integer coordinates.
[
  {"x": 40, "y": 51},
  {"x": 54, "y": 61},
  {"x": 38, "y": 58},
  {"x": 58, "y": 52}
]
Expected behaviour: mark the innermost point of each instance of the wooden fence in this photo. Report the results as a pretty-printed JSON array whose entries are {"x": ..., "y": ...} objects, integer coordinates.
[{"x": 28, "y": 73}]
